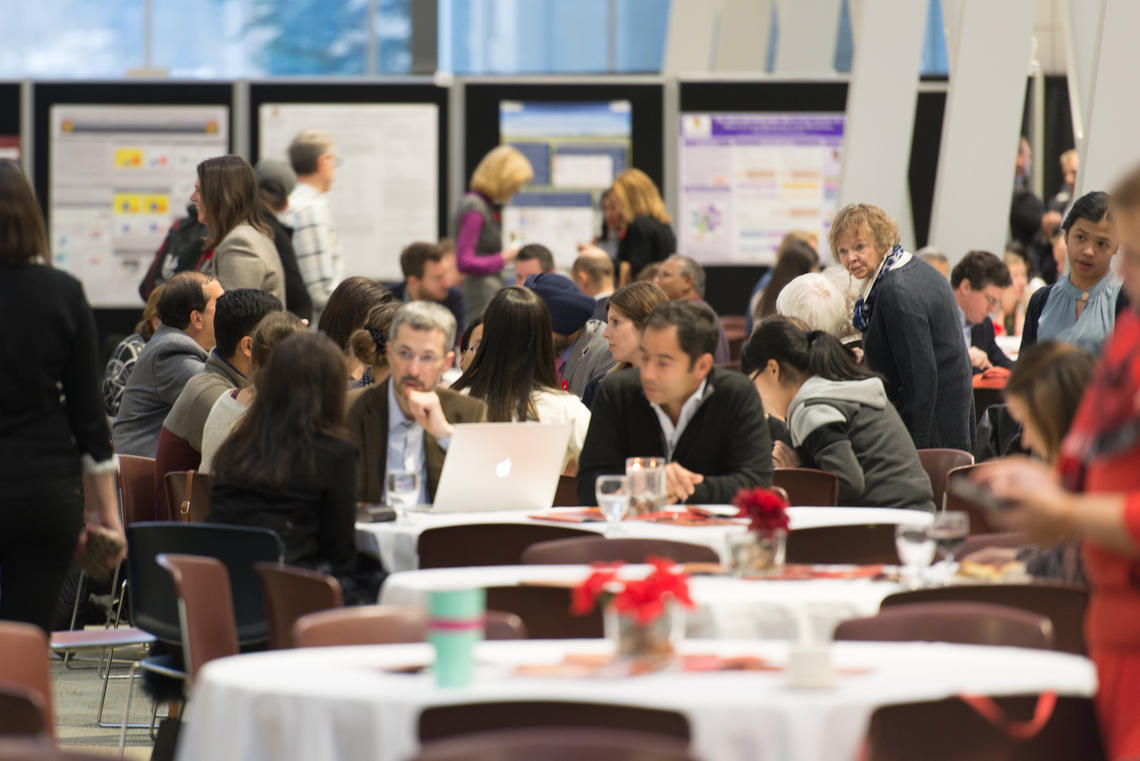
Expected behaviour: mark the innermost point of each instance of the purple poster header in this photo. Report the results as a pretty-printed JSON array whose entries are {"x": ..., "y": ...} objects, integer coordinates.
[{"x": 768, "y": 126}]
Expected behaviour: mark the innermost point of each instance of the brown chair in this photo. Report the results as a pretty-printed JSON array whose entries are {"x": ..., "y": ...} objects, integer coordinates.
[
  {"x": 966, "y": 623},
  {"x": 1063, "y": 604},
  {"x": 25, "y": 662},
  {"x": 975, "y": 542},
  {"x": 952, "y": 730},
  {"x": 386, "y": 625},
  {"x": 291, "y": 592},
  {"x": 438, "y": 722},
  {"x": 485, "y": 543},
  {"x": 979, "y": 518},
  {"x": 862, "y": 544},
  {"x": 136, "y": 487},
  {"x": 598, "y": 549},
  {"x": 550, "y": 744},
  {"x": 735, "y": 330},
  {"x": 205, "y": 608},
  {"x": 39, "y": 749},
  {"x": 938, "y": 463},
  {"x": 545, "y": 612},
  {"x": 985, "y": 398},
  {"x": 198, "y": 505},
  {"x": 21, "y": 712},
  {"x": 566, "y": 493},
  {"x": 808, "y": 486},
  {"x": 501, "y": 624}
]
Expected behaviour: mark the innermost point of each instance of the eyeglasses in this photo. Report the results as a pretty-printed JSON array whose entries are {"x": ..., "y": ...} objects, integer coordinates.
[{"x": 407, "y": 355}]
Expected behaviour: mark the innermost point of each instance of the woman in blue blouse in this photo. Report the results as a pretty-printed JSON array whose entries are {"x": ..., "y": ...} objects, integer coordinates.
[{"x": 1081, "y": 307}]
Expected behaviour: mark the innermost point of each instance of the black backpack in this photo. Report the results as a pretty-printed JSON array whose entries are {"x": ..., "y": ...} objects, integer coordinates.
[{"x": 181, "y": 250}]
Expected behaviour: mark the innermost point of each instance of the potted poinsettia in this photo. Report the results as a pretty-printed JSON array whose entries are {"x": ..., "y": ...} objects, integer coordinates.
[
  {"x": 641, "y": 615},
  {"x": 759, "y": 551}
]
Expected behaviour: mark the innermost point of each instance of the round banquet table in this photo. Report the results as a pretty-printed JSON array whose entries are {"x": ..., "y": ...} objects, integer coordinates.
[
  {"x": 394, "y": 543},
  {"x": 343, "y": 704},
  {"x": 724, "y": 607}
]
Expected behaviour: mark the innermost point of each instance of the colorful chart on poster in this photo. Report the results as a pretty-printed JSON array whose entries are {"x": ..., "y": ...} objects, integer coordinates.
[
  {"x": 576, "y": 150},
  {"x": 386, "y": 191},
  {"x": 748, "y": 179},
  {"x": 119, "y": 175}
]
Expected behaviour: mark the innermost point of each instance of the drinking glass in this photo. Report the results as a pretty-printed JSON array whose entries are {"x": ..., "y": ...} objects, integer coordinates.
[
  {"x": 613, "y": 498},
  {"x": 403, "y": 491},
  {"x": 916, "y": 550},
  {"x": 949, "y": 530},
  {"x": 646, "y": 484}
]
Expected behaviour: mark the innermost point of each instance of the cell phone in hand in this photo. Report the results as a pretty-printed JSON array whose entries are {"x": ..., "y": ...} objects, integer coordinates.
[{"x": 968, "y": 490}]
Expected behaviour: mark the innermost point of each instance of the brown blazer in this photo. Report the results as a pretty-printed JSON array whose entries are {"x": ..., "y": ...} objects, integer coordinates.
[{"x": 367, "y": 422}]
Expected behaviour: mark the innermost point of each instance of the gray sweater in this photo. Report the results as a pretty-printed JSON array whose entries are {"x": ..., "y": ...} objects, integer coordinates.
[{"x": 850, "y": 428}]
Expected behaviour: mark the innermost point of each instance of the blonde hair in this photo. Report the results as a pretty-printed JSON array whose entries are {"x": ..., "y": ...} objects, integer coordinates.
[
  {"x": 501, "y": 173},
  {"x": 639, "y": 196},
  {"x": 851, "y": 220}
]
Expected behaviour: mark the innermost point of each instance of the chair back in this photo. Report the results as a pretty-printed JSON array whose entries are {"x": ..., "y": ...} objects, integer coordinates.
[
  {"x": 485, "y": 543},
  {"x": 136, "y": 487},
  {"x": 438, "y": 722},
  {"x": 807, "y": 486},
  {"x": 598, "y": 549},
  {"x": 205, "y": 608},
  {"x": 196, "y": 502},
  {"x": 556, "y": 744},
  {"x": 1063, "y": 604},
  {"x": 937, "y": 463},
  {"x": 545, "y": 612},
  {"x": 975, "y": 542},
  {"x": 361, "y": 625},
  {"x": 965, "y": 623},
  {"x": 566, "y": 493},
  {"x": 499, "y": 624},
  {"x": 21, "y": 711},
  {"x": 979, "y": 518},
  {"x": 26, "y": 663},
  {"x": 860, "y": 544},
  {"x": 153, "y": 603},
  {"x": 290, "y": 592}
]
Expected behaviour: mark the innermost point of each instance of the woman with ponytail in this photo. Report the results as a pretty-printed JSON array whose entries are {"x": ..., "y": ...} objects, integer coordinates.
[{"x": 838, "y": 416}]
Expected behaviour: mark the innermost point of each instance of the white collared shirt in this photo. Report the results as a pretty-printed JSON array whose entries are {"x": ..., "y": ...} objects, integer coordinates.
[{"x": 673, "y": 432}]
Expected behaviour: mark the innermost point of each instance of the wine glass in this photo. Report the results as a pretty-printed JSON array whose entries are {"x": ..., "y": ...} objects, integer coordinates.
[
  {"x": 613, "y": 498},
  {"x": 916, "y": 549},
  {"x": 403, "y": 491},
  {"x": 949, "y": 530}
]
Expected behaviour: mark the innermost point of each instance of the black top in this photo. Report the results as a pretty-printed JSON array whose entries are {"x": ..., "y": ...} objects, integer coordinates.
[
  {"x": 646, "y": 240},
  {"x": 727, "y": 441},
  {"x": 315, "y": 516},
  {"x": 297, "y": 298},
  {"x": 1037, "y": 304},
  {"x": 47, "y": 345},
  {"x": 915, "y": 342},
  {"x": 982, "y": 336},
  {"x": 455, "y": 302}
]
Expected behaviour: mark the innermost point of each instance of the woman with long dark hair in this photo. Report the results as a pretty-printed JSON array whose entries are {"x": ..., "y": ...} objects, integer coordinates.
[
  {"x": 288, "y": 466},
  {"x": 838, "y": 416},
  {"x": 55, "y": 449},
  {"x": 513, "y": 369},
  {"x": 796, "y": 257},
  {"x": 228, "y": 204}
]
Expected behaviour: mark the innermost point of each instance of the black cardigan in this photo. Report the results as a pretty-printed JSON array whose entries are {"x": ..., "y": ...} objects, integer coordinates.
[
  {"x": 646, "y": 240},
  {"x": 982, "y": 336},
  {"x": 727, "y": 441}
]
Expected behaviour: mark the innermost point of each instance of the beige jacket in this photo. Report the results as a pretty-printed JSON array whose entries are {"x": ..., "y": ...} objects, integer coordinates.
[{"x": 247, "y": 258}]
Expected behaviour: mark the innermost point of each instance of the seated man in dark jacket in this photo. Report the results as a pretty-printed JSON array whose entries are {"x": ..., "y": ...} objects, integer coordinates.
[
  {"x": 978, "y": 281},
  {"x": 707, "y": 422}
]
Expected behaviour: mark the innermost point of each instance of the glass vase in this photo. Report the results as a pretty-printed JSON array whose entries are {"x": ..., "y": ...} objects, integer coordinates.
[
  {"x": 655, "y": 640},
  {"x": 753, "y": 554}
]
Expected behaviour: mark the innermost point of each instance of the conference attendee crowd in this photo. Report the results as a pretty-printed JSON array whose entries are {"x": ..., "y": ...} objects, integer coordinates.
[{"x": 296, "y": 387}]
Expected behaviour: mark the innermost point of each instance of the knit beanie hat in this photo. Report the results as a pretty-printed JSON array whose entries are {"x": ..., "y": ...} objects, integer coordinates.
[{"x": 569, "y": 307}]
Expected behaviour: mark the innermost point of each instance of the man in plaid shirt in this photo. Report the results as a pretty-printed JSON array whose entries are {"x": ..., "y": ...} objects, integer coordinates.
[{"x": 313, "y": 156}]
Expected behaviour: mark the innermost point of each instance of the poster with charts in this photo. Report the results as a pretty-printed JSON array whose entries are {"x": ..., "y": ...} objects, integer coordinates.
[
  {"x": 386, "y": 191},
  {"x": 576, "y": 150},
  {"x": 118, "y": 177},
  {"x": 748, "y": 179}
]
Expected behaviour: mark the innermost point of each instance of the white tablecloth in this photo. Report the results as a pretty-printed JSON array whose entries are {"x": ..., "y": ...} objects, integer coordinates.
[
  {"x": 339, "y": 704},
  {"x": 725, "y": 608},
  {"x": 395, "y": 543}
]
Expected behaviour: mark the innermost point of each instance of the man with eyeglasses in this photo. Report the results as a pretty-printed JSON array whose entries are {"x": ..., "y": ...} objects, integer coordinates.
[
  {"x": 406, "y": 422},
  {"x": 313, "y": 157},
  {"x": 978, "y": 281}
]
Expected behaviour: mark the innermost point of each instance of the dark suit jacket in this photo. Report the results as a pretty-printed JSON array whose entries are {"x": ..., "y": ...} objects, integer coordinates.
[
  {"x": 367, "y": 423},
  {"x": 982, "y": 337},
  {"x": 455, "y": 302}
]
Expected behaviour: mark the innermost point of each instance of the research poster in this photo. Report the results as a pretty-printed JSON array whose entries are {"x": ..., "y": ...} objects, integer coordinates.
[
  {"x": 748, "y": 179},
  {"x": 385, "y": 194},
  {"x": 576, "y": 150},
  {"x": 119, "y": 175}
]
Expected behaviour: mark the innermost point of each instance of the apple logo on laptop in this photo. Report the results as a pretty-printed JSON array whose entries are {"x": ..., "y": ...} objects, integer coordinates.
[{"x": 503, "y": 469}]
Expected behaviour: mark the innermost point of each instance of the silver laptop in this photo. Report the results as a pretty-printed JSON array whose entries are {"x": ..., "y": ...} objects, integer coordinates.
[{"x": 501, "y": 466}]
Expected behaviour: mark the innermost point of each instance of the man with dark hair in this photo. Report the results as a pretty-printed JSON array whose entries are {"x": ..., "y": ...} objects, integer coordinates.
[
  {"x": 176, "y": 353},
  {"x": 707, "y": 422},
  {"x": 978, "y": 281},
  {"x": 533, "y": 259},
  {"x": 275, "y": 181},
  {"x": 581, "y": 351},
  {"x": 228, "y": 367},
  {"x": 428, "y": 269},
  {"x": 593, "y": 272},
  {"x": 682, "y": 277}
]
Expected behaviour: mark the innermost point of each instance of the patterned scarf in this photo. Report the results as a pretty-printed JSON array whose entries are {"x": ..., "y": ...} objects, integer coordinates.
[{"x": 863, "y": 306}]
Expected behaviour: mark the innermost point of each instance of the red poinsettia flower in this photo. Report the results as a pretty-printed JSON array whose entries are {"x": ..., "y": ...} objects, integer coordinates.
[
  {"x": 644, "y": 599},
  {"x": 766, "y": 510},
  {"x": 584, "y": 597}
]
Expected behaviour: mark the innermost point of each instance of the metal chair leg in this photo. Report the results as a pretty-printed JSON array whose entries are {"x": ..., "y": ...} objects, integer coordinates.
[{"x": 127, "y": 711}]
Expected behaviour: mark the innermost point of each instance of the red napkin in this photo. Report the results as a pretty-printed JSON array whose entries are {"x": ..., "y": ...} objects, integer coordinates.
[{"x": 584, "y": 515}]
